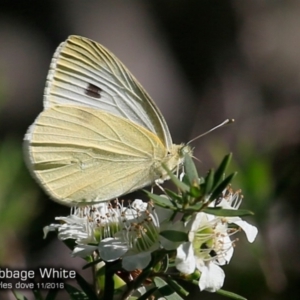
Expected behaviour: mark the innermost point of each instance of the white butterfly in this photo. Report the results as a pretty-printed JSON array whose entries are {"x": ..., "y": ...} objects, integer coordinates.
[{"x": 100, "y": 134}]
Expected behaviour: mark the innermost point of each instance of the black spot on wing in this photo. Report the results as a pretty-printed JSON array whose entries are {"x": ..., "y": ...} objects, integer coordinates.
[{"x": 93, "y": 91}]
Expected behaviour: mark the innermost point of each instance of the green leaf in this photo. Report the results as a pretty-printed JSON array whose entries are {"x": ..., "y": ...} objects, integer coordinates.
[
  {"x": 165, "y": 290},
  {"x": 195, "y": 192},
  {"x": 182, "y": 186},
  {"x": 18, "y": 295},
  {"x": 86, "y": 288},
  {"x": 220, "y": 212},
  {"x": 230, "y": 295},
  {"x": 177, "y": 287},
  {"x": 221, "y": 187},
  {"x": 196, "y": 207},
  {"x": 75, "y": 294},
  {"x": 148, "y": 294},
  {"x": 190, "y": 169},
  {"x": 174, "y": 236},
  {"x": 164, "y": 264},
  {"x": 160, "y": 201},
  {"x": 173, "y": 195},
  {"x": 209, "y": 181},
  {"x": 119, "y": 283},
  {"x": 222, "y": 169},
  {"x": 185, "y": 179}
]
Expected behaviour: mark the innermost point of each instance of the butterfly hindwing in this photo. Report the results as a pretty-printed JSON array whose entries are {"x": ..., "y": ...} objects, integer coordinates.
[{"x": 74, "y": 150}]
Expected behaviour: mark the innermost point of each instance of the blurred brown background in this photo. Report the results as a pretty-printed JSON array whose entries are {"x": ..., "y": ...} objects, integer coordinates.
[{"x": 202, "y": 62}]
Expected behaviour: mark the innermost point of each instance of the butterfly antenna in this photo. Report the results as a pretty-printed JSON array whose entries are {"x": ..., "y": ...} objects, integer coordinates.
[
  {"x": 194, "y": 157},
  {"x": 226, "y": 122}
]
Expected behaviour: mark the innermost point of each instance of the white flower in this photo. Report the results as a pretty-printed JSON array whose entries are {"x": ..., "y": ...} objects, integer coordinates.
[
  {"x": 209, "y": 245},
  {"x": 233, "y": 200},
  {"x": 88, "y": 226},
  {"x": 140, "y": 236}
]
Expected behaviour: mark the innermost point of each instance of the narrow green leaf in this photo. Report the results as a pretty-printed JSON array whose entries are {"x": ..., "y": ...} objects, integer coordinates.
[
  {"x": 164, "y": 266},
  {"x": 165, "y": 290},
  {"x": 190, "y": 169},
  {"x": 196, "y": 207},
  {"x": 119, "y": 282},
  {"x": 221, "y": 187},
  {"x": 177, "y": 287},
  {"x": 18, "y": 295},
  {"x": 182, "y": 186},
  {"x": 148, "y": 294},
  {"x": 118, "y": 292},
  {"x": 209, "y": 181},
  {"x": 174, "y": 196},
  {"x": 222, "y": 169},
  {"x": 86, "y": 288},
  {"x": 220, "y": 212},
  {"x": 161, "y": 201},
  {"x": 230, "y": 295},
  {"x": 174, "y": 236},
  {"x": 185, "y": 179}
]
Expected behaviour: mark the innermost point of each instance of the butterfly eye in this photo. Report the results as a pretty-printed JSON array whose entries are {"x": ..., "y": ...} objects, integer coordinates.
[{"x": 93, "y": 91}]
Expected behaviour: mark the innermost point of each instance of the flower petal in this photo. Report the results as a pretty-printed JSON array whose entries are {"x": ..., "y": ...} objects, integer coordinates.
[
  {"x": 52, "y": 227},
  {"x": 212, "y": 276},
  {"x": 111, "y": 249},
  {"x": 250, "y": 230},
  {"x": 136, "y": 261},
  {"x": 83, "y": 250},
  {"x": 185, "y": 260}
]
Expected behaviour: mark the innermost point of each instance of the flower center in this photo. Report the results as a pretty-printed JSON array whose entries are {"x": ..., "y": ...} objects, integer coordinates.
[
  {"x": 102, "y": 220},
  {"x": 211, "y": 242},
  {"x": 141, "y": 228}
]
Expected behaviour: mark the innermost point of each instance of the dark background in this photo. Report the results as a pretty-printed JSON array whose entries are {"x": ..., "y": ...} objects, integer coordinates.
[{"x": 202, "y": 62}]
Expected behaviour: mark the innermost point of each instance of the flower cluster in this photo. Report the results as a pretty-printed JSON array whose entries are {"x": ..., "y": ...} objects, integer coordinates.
[
  {"x": 210, "y": 245},
  {"x": 186, "y": 236}
]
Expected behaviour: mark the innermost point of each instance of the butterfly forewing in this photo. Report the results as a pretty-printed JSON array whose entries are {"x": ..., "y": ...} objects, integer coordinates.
[{"x": 83, "y": 72}]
